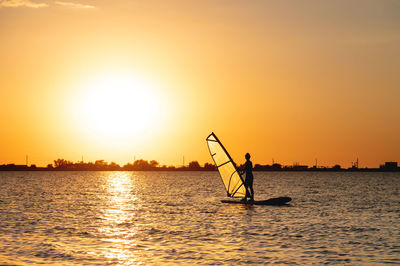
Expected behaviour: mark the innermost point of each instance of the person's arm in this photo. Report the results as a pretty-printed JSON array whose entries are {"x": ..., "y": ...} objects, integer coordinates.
[{"x": 242, "y": 169}]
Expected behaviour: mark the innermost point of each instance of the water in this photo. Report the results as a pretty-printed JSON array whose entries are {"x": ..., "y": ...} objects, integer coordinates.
[{"x": 176, "y": 217}]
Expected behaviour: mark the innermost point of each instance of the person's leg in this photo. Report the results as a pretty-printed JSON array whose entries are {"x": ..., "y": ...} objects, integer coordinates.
[
  {"x": 247, "y": 190},
  {"x": 251, "y": 190}
]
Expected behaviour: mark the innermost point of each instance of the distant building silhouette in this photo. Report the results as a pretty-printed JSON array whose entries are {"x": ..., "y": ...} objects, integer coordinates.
[
  {"x": 390, "y": 166},
  {"x": 14, "y": 167}
]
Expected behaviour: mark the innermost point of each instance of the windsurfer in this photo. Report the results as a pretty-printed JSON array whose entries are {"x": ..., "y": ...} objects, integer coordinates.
[{"x": 248, "y": 169}]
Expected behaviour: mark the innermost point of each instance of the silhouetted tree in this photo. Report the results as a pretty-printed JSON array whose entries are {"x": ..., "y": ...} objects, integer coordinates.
[
  {"x": 100, "y": 163},
  {"x": 209, "y": 166},
  {"x": 194, "y": 165},
  {"x": 114, "y": 166},
  {"x": 141, "y": 165},
  {"x": 61, "y": 163},
  {"x": 153, "y": 164}
]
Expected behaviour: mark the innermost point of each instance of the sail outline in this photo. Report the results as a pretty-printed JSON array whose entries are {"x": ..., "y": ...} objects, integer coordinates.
[{"x": 230, "y": 160}]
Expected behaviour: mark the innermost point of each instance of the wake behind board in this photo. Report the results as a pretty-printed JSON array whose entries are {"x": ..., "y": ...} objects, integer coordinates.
[{"x": 273, "y": 201}]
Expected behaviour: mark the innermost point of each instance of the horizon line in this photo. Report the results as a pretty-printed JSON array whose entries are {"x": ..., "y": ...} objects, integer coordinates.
[{"x": 102, "y": 162}]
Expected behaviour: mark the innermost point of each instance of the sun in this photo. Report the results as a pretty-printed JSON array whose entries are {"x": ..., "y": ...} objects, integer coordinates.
[{"x": 119, "y": 105}]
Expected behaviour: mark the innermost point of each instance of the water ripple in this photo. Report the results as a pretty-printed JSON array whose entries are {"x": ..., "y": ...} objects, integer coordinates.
[{"x": 142, "y": 218}]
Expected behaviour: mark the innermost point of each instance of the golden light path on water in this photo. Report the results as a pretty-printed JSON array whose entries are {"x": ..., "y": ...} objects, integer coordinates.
[{"x": 121, "y": 211}]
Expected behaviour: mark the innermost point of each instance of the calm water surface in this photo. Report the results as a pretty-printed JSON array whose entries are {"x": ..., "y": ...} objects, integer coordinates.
[{"x": 177, "y": 217}]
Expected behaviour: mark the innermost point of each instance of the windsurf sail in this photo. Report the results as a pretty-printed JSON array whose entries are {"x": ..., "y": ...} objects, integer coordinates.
[{"x": 231, "y": 178}]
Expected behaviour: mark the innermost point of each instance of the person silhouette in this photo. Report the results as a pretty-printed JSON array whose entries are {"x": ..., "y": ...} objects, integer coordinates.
[{"x": 248, "y": 183}]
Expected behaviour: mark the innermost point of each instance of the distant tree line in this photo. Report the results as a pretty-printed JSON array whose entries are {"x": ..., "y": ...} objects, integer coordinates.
[
  {"x": 144, "y": 165},
  {"x": 137, "y": 165}
]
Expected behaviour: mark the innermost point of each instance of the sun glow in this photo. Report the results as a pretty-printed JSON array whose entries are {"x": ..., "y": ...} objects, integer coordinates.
[{"x": 119, "y": 105}]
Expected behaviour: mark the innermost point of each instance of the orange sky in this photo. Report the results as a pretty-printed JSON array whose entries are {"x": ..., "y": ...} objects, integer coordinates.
[{"x": 293, "y": 81}]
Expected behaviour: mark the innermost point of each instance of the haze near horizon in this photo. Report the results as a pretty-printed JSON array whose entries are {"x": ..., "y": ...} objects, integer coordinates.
[{"x": 293, "y": 81}]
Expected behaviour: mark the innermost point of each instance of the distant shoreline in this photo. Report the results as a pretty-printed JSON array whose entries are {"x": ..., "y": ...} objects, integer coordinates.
[
  {"x": 144, "y": 165},
  {"x": 44, "y": 169}
]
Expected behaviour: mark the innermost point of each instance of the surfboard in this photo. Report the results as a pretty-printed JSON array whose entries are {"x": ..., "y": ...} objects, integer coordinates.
[{"x": 273, "y": 201}]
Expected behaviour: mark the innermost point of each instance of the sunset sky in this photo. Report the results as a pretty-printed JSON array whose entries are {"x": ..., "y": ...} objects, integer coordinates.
[{"x": 114, "y": 80}]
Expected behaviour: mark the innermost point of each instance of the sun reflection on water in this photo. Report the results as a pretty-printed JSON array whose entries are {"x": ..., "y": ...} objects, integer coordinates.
[{"x": 118, "y": 229}]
